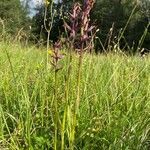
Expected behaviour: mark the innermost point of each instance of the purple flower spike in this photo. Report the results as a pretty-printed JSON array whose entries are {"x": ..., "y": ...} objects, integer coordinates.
[
  {"x": 79, "y": 27},
  {"x": 56, "y": 55}
]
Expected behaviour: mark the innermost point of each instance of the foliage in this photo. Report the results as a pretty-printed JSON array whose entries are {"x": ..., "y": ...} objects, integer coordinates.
[
  {"x": 114, "y": 15},
  {"x": 39, "y": 32},
  {"x": 57, "y": 100},
  {"x": 14, "y": 16},
  {"x": 114, "y": 106},
  {"x": 110, "y": 17}
]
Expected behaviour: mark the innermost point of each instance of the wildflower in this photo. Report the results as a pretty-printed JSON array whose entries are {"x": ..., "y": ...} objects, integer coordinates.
[
  {"x": 47, "y": 2},
  {"x": 74, "y": 16},
  {"x": 86, "y": 29},
  {"x": 50, "y": 52},
  {"x": 56, "y": 55},
  {"x": 79, "y": 28}
]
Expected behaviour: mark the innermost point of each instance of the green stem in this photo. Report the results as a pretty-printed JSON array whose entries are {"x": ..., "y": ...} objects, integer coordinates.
[
  {"x": 48, "y": 37},
  {"x": 78, "y": 84},
  {"x": 56, "y": 112},
  {"x": 77, "y": 102},
  {"x": 67, "y": 104}
]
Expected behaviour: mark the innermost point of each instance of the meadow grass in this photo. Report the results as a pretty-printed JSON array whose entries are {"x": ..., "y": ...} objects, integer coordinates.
[{"x": 114, "y": 108}]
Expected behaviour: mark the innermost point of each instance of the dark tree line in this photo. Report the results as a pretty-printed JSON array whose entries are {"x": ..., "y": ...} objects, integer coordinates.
[
  {"x": 115, "y": 14},
  {"x": 122, "y": 22},
  {"x": 13, "y": 16}
]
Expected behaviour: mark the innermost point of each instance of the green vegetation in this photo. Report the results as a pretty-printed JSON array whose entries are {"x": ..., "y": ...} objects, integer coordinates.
[
  {"x": 114, "y": 101},
  {"x": 64, "y": 96},
  {"x": 109, "y": 16},
  {"x": 13, "y": 17}
]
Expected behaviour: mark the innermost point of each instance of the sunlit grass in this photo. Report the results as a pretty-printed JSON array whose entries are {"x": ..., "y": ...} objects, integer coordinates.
[{"x": 114, "y": 108}]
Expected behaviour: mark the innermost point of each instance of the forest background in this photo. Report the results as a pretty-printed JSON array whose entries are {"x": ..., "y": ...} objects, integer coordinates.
[{"x": 25, "y": 21}]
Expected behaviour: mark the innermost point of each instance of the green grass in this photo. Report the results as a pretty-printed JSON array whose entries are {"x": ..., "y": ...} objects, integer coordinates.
[{"x": 114, "y": 107}]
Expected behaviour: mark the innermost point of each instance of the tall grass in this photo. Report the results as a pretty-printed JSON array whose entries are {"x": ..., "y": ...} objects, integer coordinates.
[{"x": 114, "y": 101}]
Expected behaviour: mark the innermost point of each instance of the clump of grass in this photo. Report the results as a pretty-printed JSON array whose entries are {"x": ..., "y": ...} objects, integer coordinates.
[
  {"x": 92, "y": 102},
  {"x": 114, "y": 102}
]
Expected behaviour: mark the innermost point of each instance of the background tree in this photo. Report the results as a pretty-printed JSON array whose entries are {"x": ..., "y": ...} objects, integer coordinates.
[
  {"x": 14, "y": 15},
  {"x": 110, "y": 16},
  {"x": 38, "y": 29},
  {"x": 115, "y": 13}
]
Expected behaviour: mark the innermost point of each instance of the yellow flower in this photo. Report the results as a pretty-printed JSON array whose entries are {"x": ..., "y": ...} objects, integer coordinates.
[
  {"x": 50, "y": 52},
  {"x": 47, "y": 2}
]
